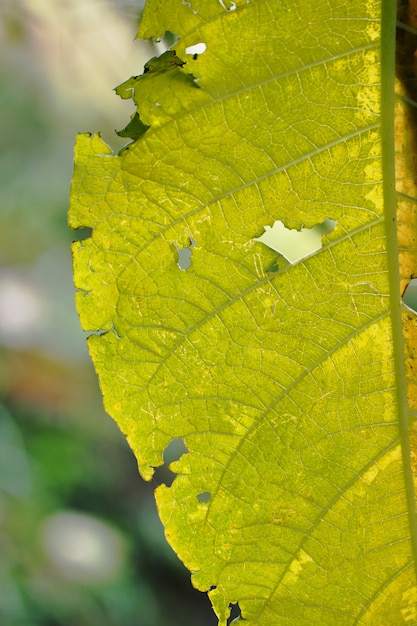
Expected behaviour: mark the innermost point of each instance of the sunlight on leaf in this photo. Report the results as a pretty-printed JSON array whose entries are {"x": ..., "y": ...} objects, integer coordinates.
[{"x": 295, "y": 497}]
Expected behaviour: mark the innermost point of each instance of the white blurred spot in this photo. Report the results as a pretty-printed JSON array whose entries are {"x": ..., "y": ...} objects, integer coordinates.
[
  {"x": 82, "y": 548},
  {"x": 20, "y": 309},
  {"x": 198, "y": 48},
  {"x": 89, "y": 41}
]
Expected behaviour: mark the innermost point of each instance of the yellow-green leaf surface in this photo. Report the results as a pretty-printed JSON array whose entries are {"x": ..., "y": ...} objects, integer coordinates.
[{"x": 286, "y": 381}]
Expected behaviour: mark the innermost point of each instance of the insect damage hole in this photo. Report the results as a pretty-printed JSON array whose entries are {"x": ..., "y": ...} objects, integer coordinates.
[
  {"x": 235, "y": 614},
  {"x": 204, "y": 497},
  {"x": 196, "y": 49},
  {"x": 173, "y": 452},
  {"x": 185, "y": 255},
  {"x": 295, "y": 244},
  {"x": 410, "y": 295},
  {"x": 229, "y": 7}
]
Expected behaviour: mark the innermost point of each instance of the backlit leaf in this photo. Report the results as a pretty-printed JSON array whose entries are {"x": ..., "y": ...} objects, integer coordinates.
[{"x": 286, "y": 381}]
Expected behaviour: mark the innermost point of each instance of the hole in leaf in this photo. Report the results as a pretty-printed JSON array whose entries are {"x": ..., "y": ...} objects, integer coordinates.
[
  {"x": 295, "y": 244},
  {"x": 235, "y": 614},
  {"x": 173, "y": 452},
  {"x": 189, "y": 5},
  {"x": 82, "y": 233},
  {"x": 101, "y": 331},
  {"x": 163, "y": 476},
  {"x": 195, "y": 50},
  {"x": 410, "y": 295},
  {"x": 230, "y": 7},
  {"x": 204, "y": 497},
  {"x": 185, "y": 255}
]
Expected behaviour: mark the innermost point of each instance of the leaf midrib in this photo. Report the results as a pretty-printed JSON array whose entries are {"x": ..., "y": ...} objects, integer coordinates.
[{"x": 388, "y": 46}]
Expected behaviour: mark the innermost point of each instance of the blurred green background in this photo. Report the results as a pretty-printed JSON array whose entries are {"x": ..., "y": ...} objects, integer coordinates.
[{"x": 81, "y": 543}]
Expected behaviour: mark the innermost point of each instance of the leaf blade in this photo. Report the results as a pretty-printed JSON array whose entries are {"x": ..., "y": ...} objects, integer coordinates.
[{"x": 282, "y": 384}]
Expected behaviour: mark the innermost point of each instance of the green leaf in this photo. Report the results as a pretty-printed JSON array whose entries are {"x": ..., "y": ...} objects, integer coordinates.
[
  {"x": 134, "y": 129},
  {"x": 286, "y": 381}
]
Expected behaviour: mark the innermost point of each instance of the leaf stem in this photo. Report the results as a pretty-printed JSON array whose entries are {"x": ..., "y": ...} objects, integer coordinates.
[{"x": 388, "y": 25}]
